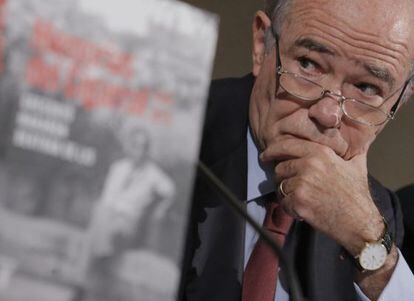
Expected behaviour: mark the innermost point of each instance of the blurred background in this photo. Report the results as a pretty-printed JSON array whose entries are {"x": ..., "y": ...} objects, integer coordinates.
[{"x": 391, "y": 158}]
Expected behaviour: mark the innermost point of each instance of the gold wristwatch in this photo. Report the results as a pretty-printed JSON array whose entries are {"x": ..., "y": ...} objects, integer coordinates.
[{"x": 374, "y": 254}]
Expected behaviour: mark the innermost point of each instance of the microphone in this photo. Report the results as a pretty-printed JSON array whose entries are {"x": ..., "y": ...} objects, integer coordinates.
[{"x": 236, "y": 205}]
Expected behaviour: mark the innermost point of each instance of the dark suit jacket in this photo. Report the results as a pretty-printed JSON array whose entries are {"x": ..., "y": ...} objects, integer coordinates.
[
  {"x": 406, "y": 196},
  {"x": 213, "y": 263}
]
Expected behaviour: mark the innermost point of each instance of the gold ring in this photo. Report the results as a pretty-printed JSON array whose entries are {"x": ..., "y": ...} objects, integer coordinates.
[{"x": 281, "y": 190}]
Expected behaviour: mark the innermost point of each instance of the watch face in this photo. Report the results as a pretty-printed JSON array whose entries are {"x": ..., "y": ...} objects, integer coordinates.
[{"x": 373, "y": 256}]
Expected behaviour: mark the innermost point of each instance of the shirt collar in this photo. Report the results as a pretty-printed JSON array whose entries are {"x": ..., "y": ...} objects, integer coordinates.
[{"x": 259, "y": 175}]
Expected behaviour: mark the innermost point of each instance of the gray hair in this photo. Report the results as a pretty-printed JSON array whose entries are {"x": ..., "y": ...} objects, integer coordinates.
[{"x": 276, "y": 10}]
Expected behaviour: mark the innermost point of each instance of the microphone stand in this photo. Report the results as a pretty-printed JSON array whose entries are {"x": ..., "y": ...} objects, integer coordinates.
[{"x": 236, "y": 205}]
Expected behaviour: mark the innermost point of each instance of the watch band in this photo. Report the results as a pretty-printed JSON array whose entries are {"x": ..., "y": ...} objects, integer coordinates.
[{"x": 387, "y": 239}]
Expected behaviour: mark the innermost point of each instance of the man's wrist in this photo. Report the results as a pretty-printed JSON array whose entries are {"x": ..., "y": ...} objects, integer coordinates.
[
  {"x": 372, "y": 283},
  {"x": 376, "y": 251},
  {"x": 371, "y": 231}
]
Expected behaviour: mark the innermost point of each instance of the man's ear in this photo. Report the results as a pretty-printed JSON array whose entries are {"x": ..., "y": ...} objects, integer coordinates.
[{"x": 261, "y": 22}]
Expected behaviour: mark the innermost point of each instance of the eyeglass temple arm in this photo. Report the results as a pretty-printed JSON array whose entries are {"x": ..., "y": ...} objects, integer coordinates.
[
  {"x": 397, "y": 104},
  {"x": 276, "y": 36}
]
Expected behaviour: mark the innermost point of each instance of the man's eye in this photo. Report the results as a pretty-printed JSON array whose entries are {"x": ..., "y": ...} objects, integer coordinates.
[
  {"x": 368, "y": 89},
  {"x": 308, "y": 65}
]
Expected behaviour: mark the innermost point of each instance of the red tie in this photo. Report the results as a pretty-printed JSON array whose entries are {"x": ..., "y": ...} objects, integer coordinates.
[{"x": 260, "y": 276}]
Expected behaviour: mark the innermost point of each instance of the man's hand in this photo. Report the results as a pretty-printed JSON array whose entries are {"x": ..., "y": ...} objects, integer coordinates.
[{"x": 329, "y": 193}]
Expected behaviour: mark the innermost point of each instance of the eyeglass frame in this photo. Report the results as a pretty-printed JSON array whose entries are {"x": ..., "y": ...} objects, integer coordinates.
[{"x": 389, "y": 116}]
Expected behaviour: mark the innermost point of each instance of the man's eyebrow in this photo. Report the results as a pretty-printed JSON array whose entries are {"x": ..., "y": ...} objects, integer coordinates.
[
  {"x": 382, "y": 74},
  {"x": 313, "y": 45}
]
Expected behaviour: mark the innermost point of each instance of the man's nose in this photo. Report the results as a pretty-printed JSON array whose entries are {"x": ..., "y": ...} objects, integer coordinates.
[{"x": 327, "y": 111}]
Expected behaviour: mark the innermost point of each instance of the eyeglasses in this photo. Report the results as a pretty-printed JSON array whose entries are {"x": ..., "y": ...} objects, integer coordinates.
[{"x": 356, "y": 109}]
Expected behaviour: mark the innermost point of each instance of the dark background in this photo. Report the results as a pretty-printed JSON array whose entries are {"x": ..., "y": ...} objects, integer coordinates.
[{"x": 391, "y": 157}]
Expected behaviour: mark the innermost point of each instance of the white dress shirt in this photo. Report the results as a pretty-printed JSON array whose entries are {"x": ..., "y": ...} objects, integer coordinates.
[{"x": 260, "y": 182}]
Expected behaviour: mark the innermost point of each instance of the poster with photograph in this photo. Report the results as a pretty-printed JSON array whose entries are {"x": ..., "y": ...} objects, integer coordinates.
[{"x": 101, "y": 109}]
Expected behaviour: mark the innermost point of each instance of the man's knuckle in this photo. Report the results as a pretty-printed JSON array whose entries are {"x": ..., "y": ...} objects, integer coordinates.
[
  {"x": 326, "y": 151},
  {"x": 279, "y": 169},
  {"x": 312, "y": 163},
  {"x": 282, "y": 147},
  {"x": 300, "y": 192}
]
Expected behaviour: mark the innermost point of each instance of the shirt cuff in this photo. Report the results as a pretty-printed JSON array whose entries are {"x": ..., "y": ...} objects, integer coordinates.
[{"x": 400, "y": 287}]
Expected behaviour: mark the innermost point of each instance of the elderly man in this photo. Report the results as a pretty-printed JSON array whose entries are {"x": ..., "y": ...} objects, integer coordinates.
[{"x": 327, "y": 77}]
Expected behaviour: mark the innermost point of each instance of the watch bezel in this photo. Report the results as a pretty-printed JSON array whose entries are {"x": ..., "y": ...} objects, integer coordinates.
[{"x": 365, "y": 252}]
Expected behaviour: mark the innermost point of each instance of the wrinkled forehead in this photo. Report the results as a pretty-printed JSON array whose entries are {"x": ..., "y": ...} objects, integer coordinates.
[
  {"x": 381, "y": 18},
  {"x": 367, "y": 9},
  {"x": 383, "y": 25}
]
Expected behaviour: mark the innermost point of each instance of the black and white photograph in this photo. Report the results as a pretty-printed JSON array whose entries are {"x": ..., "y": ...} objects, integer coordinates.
[{"x": 100, "y": 124}]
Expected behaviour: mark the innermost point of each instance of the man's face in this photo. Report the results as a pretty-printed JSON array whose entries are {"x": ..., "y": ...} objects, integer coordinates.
[{"x": 343, "y": 44}]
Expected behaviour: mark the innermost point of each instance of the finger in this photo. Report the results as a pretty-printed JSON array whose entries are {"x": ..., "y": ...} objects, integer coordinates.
[
  {"x": 309, "y": 130},
  {"x": 290, "y": 149},
  {"x": 292, "y": 212},
  {"x": 281, "y": 191},
  {"x": 288, "y": 185},
  {"x": 288, "y": 202},
  {"x": 289, "y": 198},
  {"x": 287, "y": 169}
]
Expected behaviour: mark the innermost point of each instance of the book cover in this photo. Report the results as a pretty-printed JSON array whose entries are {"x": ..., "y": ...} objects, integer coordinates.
[{"x": 101, "y": 109}]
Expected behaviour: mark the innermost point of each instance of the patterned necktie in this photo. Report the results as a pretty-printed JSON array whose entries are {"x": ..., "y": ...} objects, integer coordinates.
[{"x": 260, "y": 276}]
